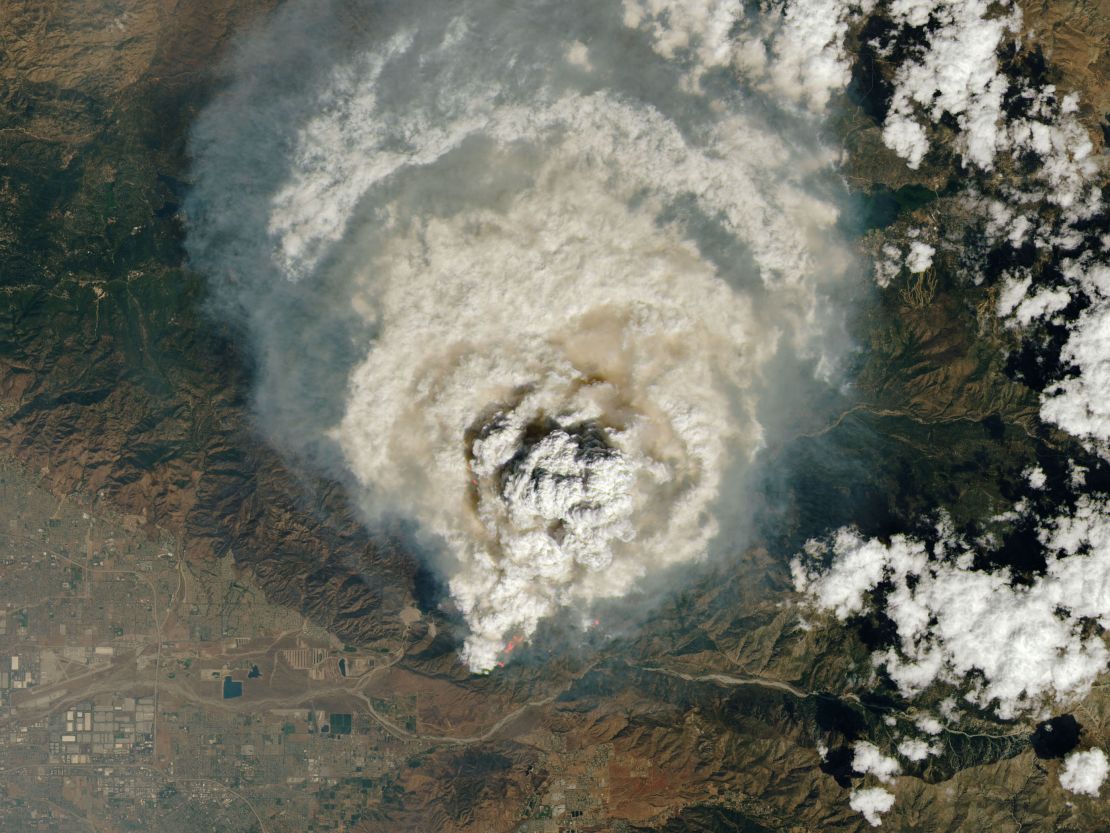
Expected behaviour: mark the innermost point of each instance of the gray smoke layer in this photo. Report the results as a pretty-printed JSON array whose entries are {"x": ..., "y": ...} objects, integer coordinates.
[{"x": 519, "y": 273}]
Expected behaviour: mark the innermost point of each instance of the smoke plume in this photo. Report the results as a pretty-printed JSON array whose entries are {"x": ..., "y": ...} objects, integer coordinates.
[{"x": 518, "y": 273}]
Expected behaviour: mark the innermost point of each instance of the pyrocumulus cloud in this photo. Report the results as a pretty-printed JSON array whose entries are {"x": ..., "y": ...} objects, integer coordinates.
[{"x": 523, "y": 273}]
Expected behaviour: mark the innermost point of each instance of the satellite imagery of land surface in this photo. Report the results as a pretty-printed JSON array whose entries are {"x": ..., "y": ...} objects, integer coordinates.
[{"x": 554, "y": 416}]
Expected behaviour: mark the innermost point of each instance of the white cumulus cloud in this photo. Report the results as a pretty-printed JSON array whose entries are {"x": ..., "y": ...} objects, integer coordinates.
[
  {"x": 1085, "y": 772},
  {"x": 914, "y": 749},
  {"x": 871, "y": 802},
  {"x": 1028, "y": 643},
  {"x": 867, "y": 759}
]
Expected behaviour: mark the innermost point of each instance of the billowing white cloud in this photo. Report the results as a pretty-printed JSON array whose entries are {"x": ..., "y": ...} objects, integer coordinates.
[
  {"x": 906, "y": 137},
  {"x": 1024, "y": 646},
  {"x": 920, "y": 257},
  {"x": 871, "y": 802},
  {"x": 801, "y": 54},
  {"x": 797, "y": 49},
  {"x": 956, "y": 73},
  {"x": 697, "y": 30},
  {"x": 915, "y": 749},
  {"x": 1081, "y": 404},
  {"x": 1051, "y": 131},
  {"x": 867, "y": 759},
  {"x": 793, "y": 49},
  {"x": 929, "y": 724},
  {"x": 1035, "y": 477},
  {"x": 1085, "y": 772},
  {"x": 1027, "y": 643},
  {"x": 1020, "y": 307}
]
